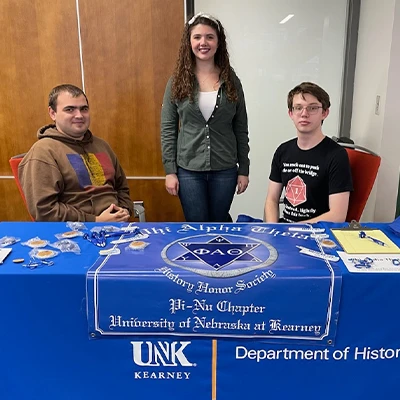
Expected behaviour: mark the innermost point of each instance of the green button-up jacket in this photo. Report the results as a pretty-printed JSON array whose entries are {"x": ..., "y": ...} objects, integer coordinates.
[{"x": 192, "y": 143}]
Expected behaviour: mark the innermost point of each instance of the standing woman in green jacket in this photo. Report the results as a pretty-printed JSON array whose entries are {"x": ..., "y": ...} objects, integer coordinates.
[{"x": 204, "y": 132}]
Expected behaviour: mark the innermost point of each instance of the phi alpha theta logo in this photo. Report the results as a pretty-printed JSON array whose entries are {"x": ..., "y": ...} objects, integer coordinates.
[{"x": 219, "y": 256}]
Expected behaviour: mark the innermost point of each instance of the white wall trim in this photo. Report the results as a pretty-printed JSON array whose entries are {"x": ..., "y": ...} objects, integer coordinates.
[{"x": 80, "y": 45}]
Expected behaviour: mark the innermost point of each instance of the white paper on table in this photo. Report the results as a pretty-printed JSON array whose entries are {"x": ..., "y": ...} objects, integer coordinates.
[
  {"x": 3, "y": 254},
  {"x": 381, "y": 262}
]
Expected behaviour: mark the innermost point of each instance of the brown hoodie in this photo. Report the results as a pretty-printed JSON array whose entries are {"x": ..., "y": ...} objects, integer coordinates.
[{"x": 71, "y": 180}]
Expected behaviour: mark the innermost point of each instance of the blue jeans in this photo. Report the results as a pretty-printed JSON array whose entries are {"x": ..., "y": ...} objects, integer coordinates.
[{"x": 207, "y": 196}]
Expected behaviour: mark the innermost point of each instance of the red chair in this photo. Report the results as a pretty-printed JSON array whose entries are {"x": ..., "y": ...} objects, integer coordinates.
[
  {"x": 364, "y": 166},
  {"x": 14, "y": 162},
  {"x": 138, "y": 208}
]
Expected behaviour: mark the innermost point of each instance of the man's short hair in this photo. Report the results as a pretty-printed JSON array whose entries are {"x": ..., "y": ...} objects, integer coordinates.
[
  {"x": 74, "y": 91},
  {"x": 309, "y": 88}
]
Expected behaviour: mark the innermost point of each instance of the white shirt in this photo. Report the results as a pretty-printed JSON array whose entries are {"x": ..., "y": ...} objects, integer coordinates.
[{"x": 207, "y": 101}]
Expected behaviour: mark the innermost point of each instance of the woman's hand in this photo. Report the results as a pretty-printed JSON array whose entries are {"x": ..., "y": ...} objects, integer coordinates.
[
  {"x": 172, "y": 184},
  {"x": 242, "y": 183}
]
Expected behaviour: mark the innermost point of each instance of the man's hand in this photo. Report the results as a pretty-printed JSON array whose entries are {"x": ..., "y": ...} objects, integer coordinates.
[
  {"x": 172, "y": 184},
  {"x": 242, "y": 183},
  {"x": 113, "y": 214},
  {"x": 271, "y": 208}
]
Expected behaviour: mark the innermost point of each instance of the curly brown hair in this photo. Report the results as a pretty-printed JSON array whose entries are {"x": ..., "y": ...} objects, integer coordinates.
[{"x": 184, "y": 78}]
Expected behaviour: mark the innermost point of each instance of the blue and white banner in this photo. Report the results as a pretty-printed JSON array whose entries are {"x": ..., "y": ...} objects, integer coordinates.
[{"x": 217, "y": 280}]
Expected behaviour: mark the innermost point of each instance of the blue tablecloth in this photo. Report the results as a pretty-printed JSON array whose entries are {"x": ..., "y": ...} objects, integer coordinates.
[{"x": 47, "y": 350}]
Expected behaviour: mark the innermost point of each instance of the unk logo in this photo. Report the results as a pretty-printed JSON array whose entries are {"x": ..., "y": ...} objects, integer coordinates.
[
  {"x": 219, "y": 256},
  {"x": 167, "y": 354}
]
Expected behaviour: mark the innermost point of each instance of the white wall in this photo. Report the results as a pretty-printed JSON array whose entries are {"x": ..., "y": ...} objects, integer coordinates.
[
  {"x": 270, "y": 59},
  {"x": 377, "y": 73}
]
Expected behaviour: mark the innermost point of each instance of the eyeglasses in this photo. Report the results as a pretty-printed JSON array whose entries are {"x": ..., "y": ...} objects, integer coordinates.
[{"x": 310, "y": 109}]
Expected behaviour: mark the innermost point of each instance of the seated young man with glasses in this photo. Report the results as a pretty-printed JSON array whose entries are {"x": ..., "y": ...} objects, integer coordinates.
[{"x": 312, "y": 168}]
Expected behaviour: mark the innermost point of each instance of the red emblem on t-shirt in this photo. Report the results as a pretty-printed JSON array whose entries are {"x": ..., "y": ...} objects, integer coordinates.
[{"x": 296, "y": 191}]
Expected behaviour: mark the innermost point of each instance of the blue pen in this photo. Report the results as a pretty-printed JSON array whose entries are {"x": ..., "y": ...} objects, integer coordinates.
[{"x": 363, "y": 235}]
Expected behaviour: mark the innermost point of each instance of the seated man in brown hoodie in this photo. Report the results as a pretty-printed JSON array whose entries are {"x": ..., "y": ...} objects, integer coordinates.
[{"x": 69, "y": 174}]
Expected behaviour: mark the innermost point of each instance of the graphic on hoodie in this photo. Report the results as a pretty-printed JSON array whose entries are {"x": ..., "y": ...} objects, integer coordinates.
[{"x": 92, "y": 169}]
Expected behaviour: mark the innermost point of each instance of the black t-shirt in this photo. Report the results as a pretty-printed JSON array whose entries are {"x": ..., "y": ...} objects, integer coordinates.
[{"x": 310, "y": 176}]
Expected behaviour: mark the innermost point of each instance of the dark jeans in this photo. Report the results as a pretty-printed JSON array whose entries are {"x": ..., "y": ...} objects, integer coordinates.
[{"x": 207, "y": 196}]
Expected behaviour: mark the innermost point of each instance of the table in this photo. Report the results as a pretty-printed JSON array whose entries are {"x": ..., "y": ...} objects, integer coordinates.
[{"x": 49, "y": 349}]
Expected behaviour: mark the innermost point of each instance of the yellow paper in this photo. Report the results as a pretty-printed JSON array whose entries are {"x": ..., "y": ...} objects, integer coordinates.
[{"x": 353, "y": 244}]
